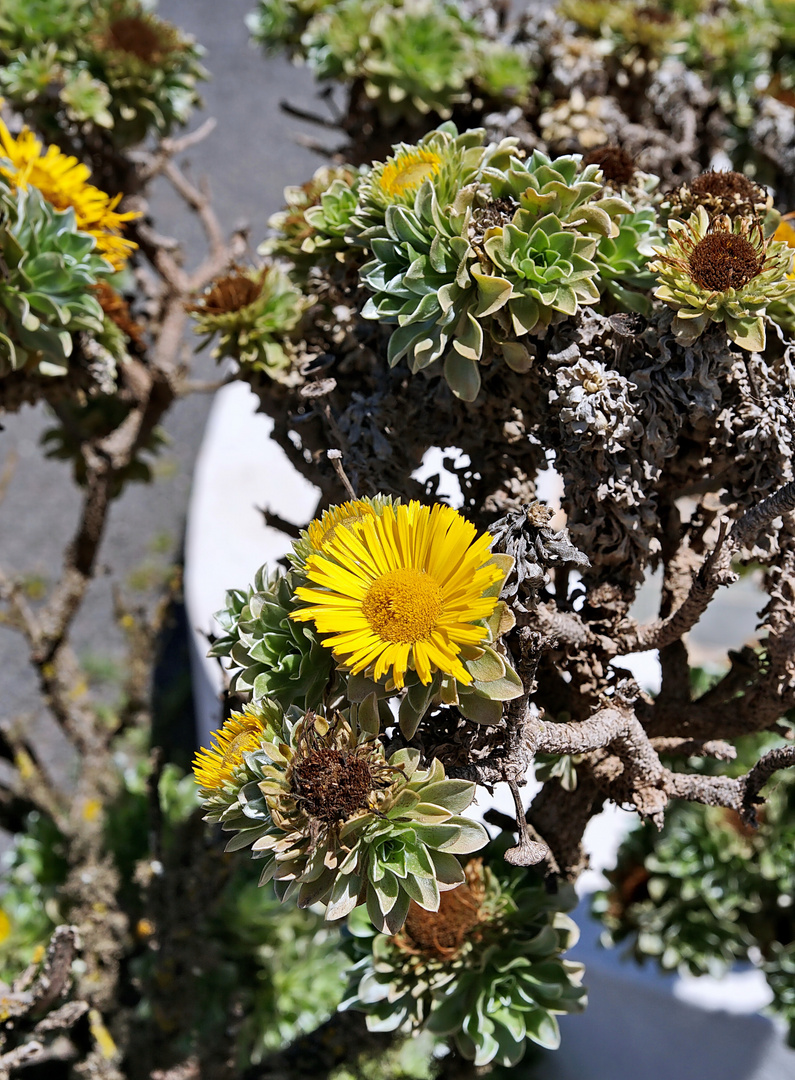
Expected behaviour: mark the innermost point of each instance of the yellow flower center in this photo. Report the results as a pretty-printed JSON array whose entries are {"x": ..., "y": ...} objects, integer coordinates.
[
  {"x": 403, "y": 605},
  {"x": 407, "y": 171}
]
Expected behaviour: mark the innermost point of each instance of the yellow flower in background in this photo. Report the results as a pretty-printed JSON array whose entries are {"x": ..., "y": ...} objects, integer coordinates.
[
  {"x": 407, "y": 170},
  {"x": 402, "y": 590},
  {"x": 63, "y": 181},
  {"x": 214, "y": 768},
  {"x": 786, "y": 233}
]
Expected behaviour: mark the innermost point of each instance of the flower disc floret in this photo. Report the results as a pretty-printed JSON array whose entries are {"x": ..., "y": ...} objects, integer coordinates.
[{"x": 403, "y": 590}]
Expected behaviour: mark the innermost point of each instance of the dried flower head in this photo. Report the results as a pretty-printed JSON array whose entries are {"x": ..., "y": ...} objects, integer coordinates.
[
  {"x": 617, "y": 165},
  {"x": 720, "y": 192},
  {"x": 721, "y": 271}
]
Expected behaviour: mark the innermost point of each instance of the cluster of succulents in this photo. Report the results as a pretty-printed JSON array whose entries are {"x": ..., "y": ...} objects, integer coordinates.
[
  {"x": 388, "y": 604},
  {"x": 485, "y": 970},
  {"x": 471, "y": 250},
  {"x": 276, "y": 634},
  {"x": 51, "y": 270},
  {"x": 315, "y": 775},
  {"x": 410, "y": 57},
  {"x": 110, "y": 64},
  {"x": 710, "y": 890}
]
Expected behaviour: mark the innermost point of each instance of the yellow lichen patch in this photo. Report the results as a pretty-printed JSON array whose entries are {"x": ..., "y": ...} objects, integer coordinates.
[
  {"x": 63, "y": 182},
  {"x": 407, "y": 170},
  {"x": 214, "y": 768}
]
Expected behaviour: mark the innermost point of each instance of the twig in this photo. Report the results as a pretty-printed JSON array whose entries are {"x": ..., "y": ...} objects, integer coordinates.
[{"x": 335, "y": 457}]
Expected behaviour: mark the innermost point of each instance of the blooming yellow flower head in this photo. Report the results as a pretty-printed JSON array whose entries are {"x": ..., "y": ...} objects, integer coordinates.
[
  {"x": 786, "y": 232},
  {"x": 406, "y": 171},
  {"x": 214, "y": 768},
  {"x": 63, "y": 181},
  {"x": 347, "y": 514},
  {"x": 402, "y": 590}
]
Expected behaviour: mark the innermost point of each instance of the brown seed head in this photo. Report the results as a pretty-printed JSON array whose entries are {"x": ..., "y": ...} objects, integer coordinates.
[
  {"x": 135, "y": 36},
  {"x": 331, "y": 784},
  {"x": 440, "y": 935},
  {"x": 616, "y": 164},
  {"x": 230, "y": 293},
  {"x": 724, "y": 260}
]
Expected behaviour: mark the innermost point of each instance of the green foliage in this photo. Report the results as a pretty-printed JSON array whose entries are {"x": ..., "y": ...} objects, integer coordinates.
[
  {"x": 380, "y": 831},
  {"x": 708, "y": 890},
  {"x": 113, "y": 65},
  {"x": 250, "y": 312},
  {"x": 270, "y": 654},
  {"x": 34, "y": 868},
  {"x": 486, "y": 970},
  {"x": 411, "y": 57},
  {"x": 46, "y": 290}
]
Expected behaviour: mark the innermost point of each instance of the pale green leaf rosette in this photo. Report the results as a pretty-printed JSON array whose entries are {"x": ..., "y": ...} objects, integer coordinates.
[
  {"x": 340, "y": 824},
  {"x": 46, "y": 289},
  {"x": 420, "y": 278},
  {"x": 623, "y": 260},
  {"x": 271, "y": 655},
  {"x": 150, "y": 68},
  {"x": 444, "y": 157},
  {"x": 317, "y": 217},
  {"x": 722, "y": 271},
  {"x": 485, "y": 970},
  {"x": 250, "y": 312}
]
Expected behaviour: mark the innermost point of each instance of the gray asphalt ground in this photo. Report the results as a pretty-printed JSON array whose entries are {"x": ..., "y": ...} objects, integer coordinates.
[{"x": 248, "y": 160}]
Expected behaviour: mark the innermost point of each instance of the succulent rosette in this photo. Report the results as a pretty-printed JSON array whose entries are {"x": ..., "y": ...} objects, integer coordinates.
[
  {"x": 514, "y": 245},
  {"x": 51, "y": 269},
  {"x": 623, "y": 260},
  {"x": 250, "y": 311},
  {"x": 317, "y": 216},
  {"x": 150, "y": 68},
  {"x": 486, "y": 969},
  {"x": 339, "y": 823},
  {"x": 270, "y": 654},
  {"x": 722, "y": 271}
]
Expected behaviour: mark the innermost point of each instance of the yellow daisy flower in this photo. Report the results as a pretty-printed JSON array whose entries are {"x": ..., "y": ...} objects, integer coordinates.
[
  {"x": 241, "y": 733},
  {"x": 63, "y": 181},
  {"x": 786, "y": 232},
  {"x": 407, "y": 170},
  {"x": 402, "y": 590},
  {"x": 324, "y": 528}
]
